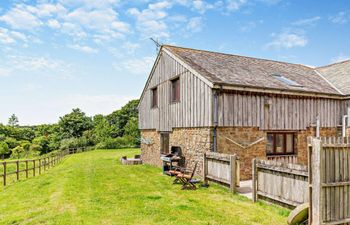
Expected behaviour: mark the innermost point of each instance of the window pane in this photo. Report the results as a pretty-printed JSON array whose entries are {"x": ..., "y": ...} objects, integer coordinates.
[
  {"x": 269, "y": 146},
  {"x": 175, "y": 90},
  {"x": 289, "y": 143},
  {"x": 154, "y": 97},
  {"x": 279, "y": 143}
]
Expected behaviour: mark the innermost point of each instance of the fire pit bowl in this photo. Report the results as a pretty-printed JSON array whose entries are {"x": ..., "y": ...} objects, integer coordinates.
[{"x": 131, "y": 161}]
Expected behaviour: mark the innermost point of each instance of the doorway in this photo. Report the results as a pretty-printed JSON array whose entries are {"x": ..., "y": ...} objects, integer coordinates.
[{"x": 164, "y": 142}]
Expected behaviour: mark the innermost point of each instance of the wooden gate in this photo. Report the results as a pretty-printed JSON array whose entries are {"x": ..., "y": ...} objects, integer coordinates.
[
  {"x": 329, "y": 171},
  {"x": 222, "y": 168}
]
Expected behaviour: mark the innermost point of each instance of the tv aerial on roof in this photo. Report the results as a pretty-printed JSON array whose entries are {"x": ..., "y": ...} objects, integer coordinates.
[{"x": 157, "y": 43}]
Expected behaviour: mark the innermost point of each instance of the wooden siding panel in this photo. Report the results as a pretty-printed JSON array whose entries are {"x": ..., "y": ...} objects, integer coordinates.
[
  {"x": 285, "y": 113},
  {"x": 194, "y": 108}
]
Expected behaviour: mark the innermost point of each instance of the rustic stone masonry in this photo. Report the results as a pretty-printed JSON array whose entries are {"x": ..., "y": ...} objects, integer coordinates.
[
  {"x": 247, "y": 142},
  {"x": 193, "y": 142},
  {"x": 150, "y": 151},
  {"x": 239, "y": 140},
  {"x": 302, "y": 140},
  {"x": 230, "y": 137}
]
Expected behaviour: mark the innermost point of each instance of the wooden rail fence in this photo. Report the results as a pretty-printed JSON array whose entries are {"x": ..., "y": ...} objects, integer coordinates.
[
  {"x": 222, "y": 168},
  {"x": 329, "y": 169},
  {"x": 282, "y": 183},
  {"x": 32, "y": 167}
]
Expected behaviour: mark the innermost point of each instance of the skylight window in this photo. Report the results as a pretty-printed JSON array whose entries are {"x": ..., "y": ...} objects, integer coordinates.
[{"x": 286, "y": 80}]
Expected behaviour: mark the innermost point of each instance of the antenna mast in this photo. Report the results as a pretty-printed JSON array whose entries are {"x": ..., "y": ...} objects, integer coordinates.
[{"x": 156, "y": 42}]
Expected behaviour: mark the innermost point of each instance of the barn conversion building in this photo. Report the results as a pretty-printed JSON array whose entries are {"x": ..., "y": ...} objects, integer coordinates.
[{"x": 203, "y": 101}]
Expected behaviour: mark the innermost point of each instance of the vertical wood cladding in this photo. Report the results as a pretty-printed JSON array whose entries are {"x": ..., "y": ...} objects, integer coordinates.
[
  {"x": 272, "y": 112},
  {"x": 194, "y": 108}
]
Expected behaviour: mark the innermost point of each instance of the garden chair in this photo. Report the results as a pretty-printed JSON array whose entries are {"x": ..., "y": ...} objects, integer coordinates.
[
  {"x": 176, "y": 170},
  {"x": 187, "y": 179}
]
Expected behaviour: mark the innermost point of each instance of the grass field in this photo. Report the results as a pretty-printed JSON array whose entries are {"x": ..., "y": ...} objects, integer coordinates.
[{"x": 93, "y": 188}]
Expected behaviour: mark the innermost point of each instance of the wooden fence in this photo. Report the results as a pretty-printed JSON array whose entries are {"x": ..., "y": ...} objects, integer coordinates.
[
  {"x": 329, "y": 168},
  {"x": 282, "y": 183},
  {"x": 222, "y": 168},
  {"x": 32, "y": 167},
  {"x": 284, "y": 158}
]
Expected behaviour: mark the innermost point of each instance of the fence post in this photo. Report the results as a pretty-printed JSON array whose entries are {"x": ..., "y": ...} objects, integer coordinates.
[
  {"x": 254, "y": 181},
  {"x": 316, "y": 167},
  {"x": 34, "y": 168},
  {"x": 233, "y": 173},
  {"x": 17, "y": 170},
  {"x": 26, "y": 168},
  {"x": 205, "y": 168},
  {"x": 39, "y": 166},
  {"x": 4, "y": 175}
]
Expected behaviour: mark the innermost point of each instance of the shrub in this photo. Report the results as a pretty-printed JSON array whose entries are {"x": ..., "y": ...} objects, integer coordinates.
[
  {"x": 118, "y": 142},
  {"x": 81, "y": 142}
]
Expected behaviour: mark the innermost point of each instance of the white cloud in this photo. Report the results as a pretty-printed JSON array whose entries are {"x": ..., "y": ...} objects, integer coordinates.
[
  {"x": 234, "y": 5},
  {"x": 20, "y": 18},
  {"x": 194, "y": 25},
  {"x": 202, "y": 6},
  {"x": 287, "y": 40},
  {"x": 46, "y": 66},
  {"x": 11, "y": 37},
  {"x": 151, "y": 21},
  {"x": 307, "y": 22},
  {"x": 130, "y": 47},
  {"x": 83, "y": 48},
  {"x": 53, "y": 24},
  {"x": 340, "y": 18},
  {"x": 89, "y": 4},
  {"x": 340, "y": 58},
  {"x": 138, "y": 66}
]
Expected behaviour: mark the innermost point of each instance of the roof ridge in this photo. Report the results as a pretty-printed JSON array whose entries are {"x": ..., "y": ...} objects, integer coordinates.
[
  {"x": 333, "y": 64},
  {"x": 270, "y": 60}
]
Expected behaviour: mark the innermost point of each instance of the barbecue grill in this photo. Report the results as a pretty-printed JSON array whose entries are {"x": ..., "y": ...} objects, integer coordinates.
[{"x": 174, "y": 157}]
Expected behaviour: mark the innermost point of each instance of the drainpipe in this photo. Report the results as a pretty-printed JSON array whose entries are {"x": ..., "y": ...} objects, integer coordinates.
[
  {"x": 216, "y": 119},
  {"x": 345, "y": 118},
  {"x": 318, "y": 124}
]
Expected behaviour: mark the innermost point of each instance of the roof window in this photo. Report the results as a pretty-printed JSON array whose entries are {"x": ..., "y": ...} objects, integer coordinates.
[{"x": 286, "y": 80}]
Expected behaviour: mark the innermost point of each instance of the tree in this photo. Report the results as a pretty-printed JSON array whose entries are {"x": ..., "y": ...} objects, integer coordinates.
[
  {"x": 13, "y": 121},
  {"x": 18, "y": 151},
  {"x": 118, "y": 119},
  {"x": 74, "y": 124},
  {"x": 102, "y": 129},
  {"x": 4, "y": 149},
  {"x": 132, "y": 129},
  {"x": 43, "y": 142},
  {"x": 26, "y": 147}
]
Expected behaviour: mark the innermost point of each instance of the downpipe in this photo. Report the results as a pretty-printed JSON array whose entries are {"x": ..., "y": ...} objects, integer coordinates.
[
  {"x": 344, "y": 123},
  {"x": 216, "y": 119}
]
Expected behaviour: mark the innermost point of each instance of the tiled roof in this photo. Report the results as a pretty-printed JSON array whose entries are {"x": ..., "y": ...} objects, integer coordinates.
[
  {"x": 338, "y": 74},
  {"x": 226, "y": 69}
]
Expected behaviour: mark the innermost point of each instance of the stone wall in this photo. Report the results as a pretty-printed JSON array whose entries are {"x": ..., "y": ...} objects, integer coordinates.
[
  {"x": 229, "y": 139},
  {"x": 243, "y": 136},
  {"x": 151, "y": 151},
  {"x": 193, "y": 142},
  {"x": 196, "y": 141},
  {"x": 302, "y": 140}
]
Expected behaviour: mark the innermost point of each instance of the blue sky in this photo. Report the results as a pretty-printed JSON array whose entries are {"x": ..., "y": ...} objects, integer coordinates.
[{"x": 96, "y": 54}]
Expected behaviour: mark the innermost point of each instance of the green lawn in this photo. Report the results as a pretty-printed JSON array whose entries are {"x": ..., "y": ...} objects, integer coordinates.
[{"x": 93, "y": 188}]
